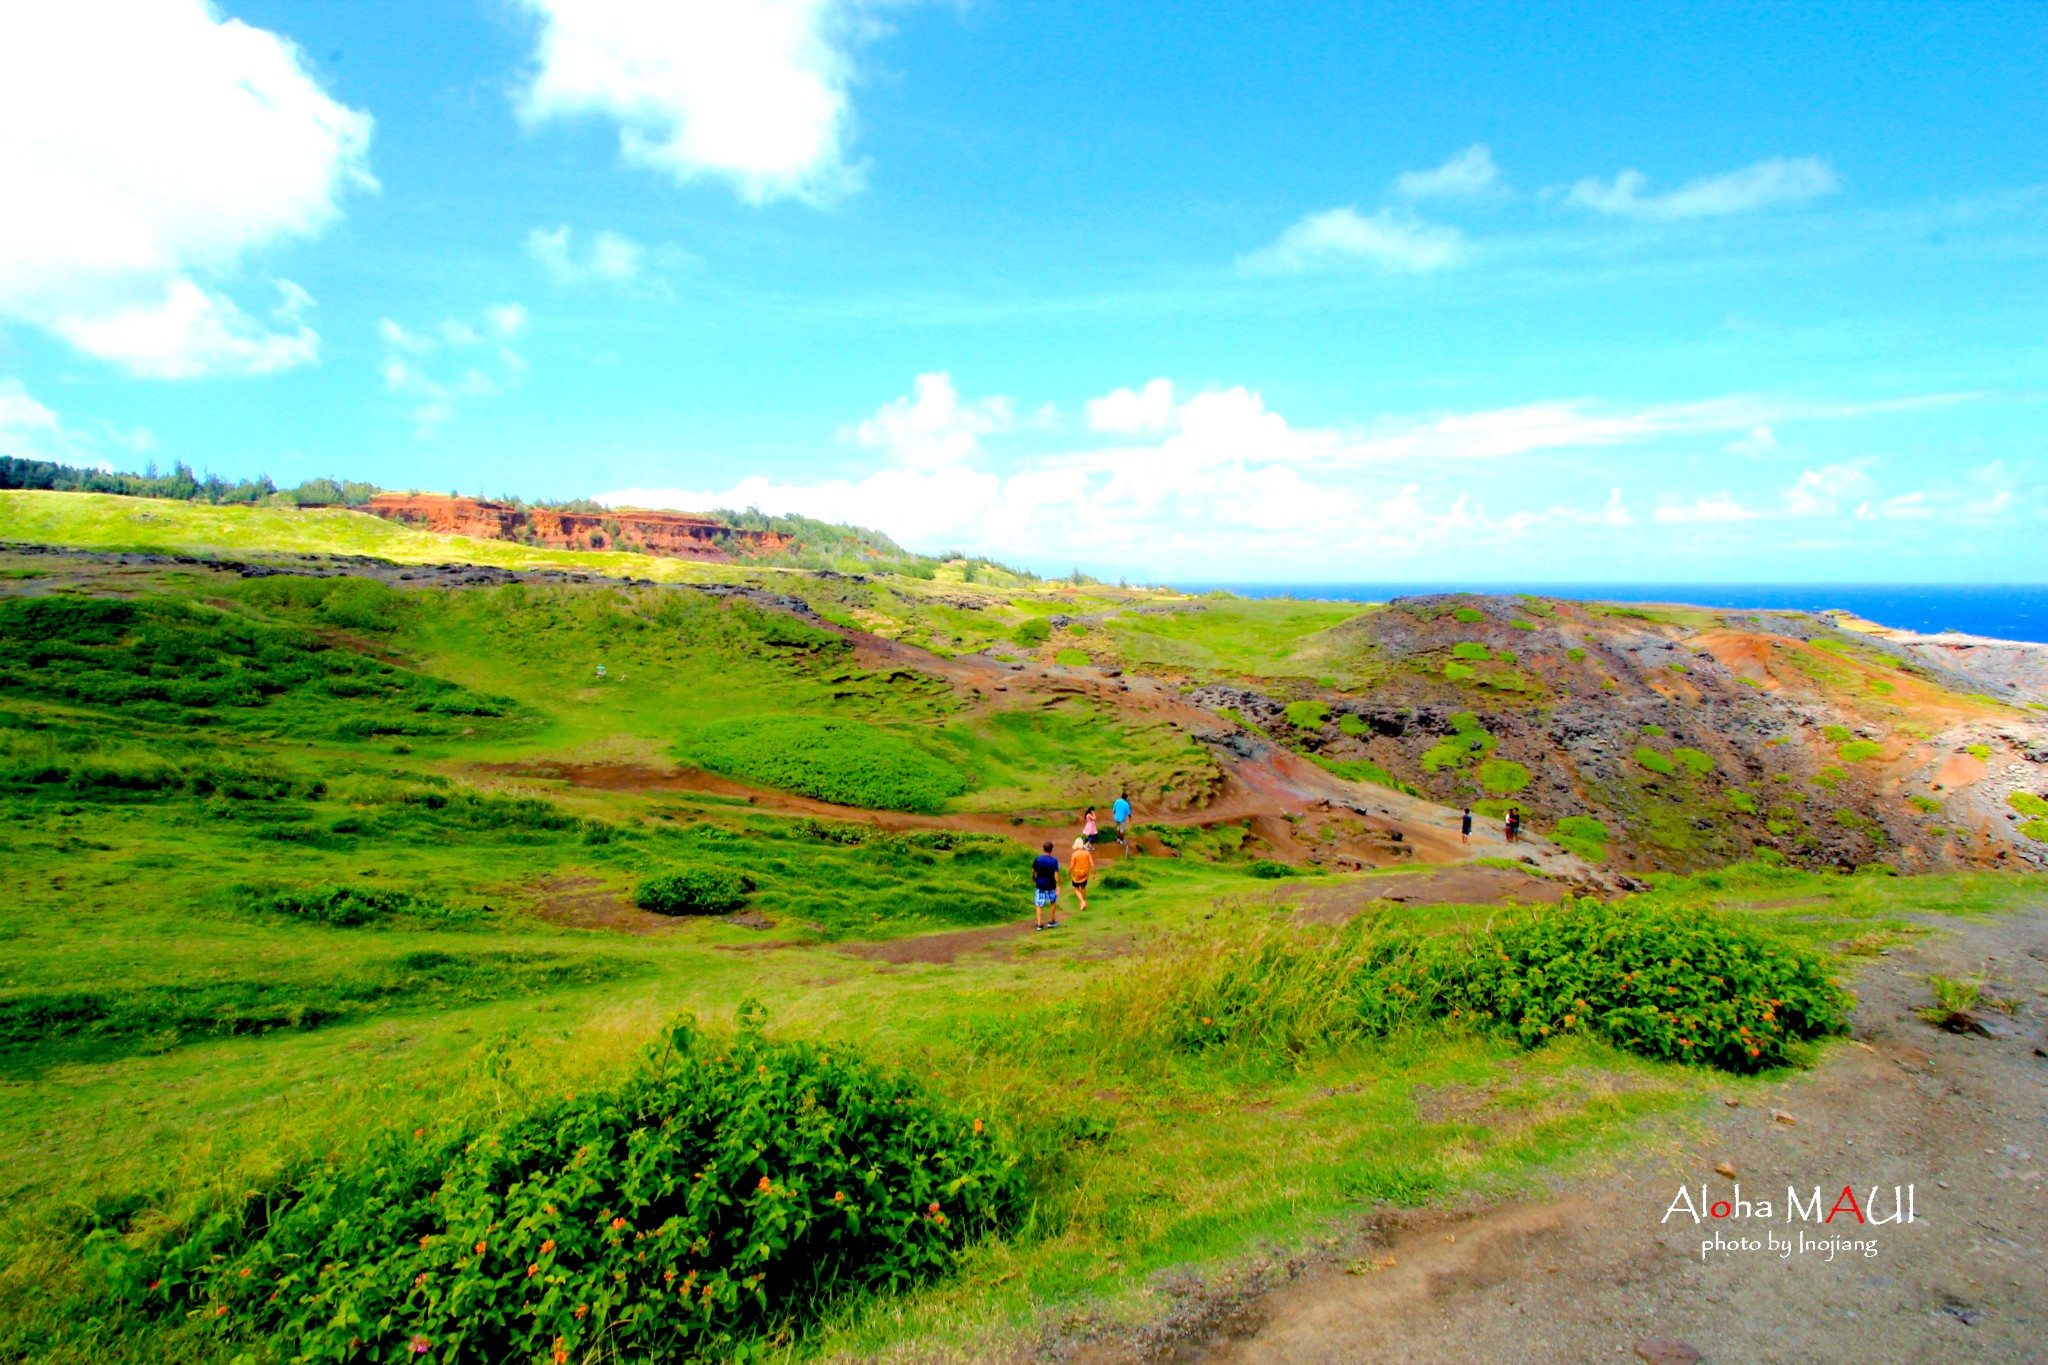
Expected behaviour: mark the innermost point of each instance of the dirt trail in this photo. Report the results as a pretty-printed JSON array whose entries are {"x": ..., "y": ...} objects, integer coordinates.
[
  {"x": 1298, "y": 811},
  {"x": 1598, "y": 1274}
]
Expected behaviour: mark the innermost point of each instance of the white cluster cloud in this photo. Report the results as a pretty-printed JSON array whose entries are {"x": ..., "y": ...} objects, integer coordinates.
[
  {"x": 462, "y": 355},
  {"x": 752, "y": 91},
  {"x": 150, "y": 146},
  {"x": 613, "y": 258},
  {"x": 1390, "y": 238},
  {"x": 1469, "y": 173},
  {"x": 1774, "y": 183},
  {"x": 1210, "y": 478}
]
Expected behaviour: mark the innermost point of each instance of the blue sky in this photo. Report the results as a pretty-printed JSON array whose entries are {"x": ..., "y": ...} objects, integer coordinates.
[{"x": 1206, "y": 291}]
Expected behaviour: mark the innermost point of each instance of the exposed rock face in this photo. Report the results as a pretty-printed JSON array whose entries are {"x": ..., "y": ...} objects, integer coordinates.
[{"x": 675, "y": 535}]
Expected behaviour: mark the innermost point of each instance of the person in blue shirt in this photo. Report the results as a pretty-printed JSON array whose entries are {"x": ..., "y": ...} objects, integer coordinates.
[
  {"x": 1045, "y": 880},
  {"x": 1121, "y": 814}
]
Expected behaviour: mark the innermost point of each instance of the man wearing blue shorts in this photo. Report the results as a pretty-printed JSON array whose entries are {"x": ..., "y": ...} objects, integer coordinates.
[
  {"x": 1121, "y": 814},
  {"x": 1045, "y": 879}
]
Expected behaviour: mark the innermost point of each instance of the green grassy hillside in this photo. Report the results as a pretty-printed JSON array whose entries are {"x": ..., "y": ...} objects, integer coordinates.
[{"x": 371, "y": 896}]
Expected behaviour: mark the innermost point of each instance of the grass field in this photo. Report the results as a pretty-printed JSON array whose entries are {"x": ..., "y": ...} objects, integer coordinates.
[{"x": 281, "y": 915}]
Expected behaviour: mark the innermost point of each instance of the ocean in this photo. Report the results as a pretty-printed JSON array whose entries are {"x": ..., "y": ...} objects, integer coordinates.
[{"x": 2017, "y": 611}]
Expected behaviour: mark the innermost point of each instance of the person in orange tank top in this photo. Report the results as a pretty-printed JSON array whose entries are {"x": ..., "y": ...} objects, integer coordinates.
[{"x": 1080, "y": 868}]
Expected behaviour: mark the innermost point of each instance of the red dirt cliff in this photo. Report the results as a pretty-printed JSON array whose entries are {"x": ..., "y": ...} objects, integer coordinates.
[{"x": 676, "y": 535}]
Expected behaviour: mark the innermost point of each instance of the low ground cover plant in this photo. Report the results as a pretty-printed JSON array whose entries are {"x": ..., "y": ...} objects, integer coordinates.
[
  {"x": 844, "y": 762},
  {"x": 725, "y": 1190},
  {"x": 349, "y": 907},
  {"x": 694, "y": 891}
]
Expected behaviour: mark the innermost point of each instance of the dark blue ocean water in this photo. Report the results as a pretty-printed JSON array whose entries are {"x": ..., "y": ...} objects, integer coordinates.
[{"x": 2004, "y": 611}]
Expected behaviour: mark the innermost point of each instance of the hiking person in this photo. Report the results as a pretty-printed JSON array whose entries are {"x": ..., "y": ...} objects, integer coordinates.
[
  {"x": 1045, "y": 880},
  {"x": 1120, "y": 812},
  {"x": 1080, "y": 868},
  {"x": 1088, "y": 827},
  {"x": 1514, "y": 824},
  {"x": 1465, "y": 827},
  {"x": 1507, "y": 826}
]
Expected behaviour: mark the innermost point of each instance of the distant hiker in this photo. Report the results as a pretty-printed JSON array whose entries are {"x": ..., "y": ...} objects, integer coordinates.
[
  {"x": 1080, "y": 868},
  {"x": 600, "y": 672},
  {"x": 1465, "y": 826},
  {"x": 1088, "y": 827},
  {"x": 1515, "y": 825},
  {"x": 1507, "y": 826},
  {"x": 1121, "y": 813},
  {"x": 1045, "y": 879}
]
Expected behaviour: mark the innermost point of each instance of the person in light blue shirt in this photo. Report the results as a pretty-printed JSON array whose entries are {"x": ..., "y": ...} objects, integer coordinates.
[{"x": 1121, "y": 814}]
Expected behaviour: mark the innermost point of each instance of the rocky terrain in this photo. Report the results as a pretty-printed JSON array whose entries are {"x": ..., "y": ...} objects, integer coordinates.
[{"x": 1691, "y": 737}]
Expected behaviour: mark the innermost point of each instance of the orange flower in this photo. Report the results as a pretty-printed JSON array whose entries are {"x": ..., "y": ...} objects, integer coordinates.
[
  {"x": 245, "y": 1273},
  {"x": 547, "y": 1208},
  {"x": 837, "y": 1198},
  {"x": 1205, "y": 1018},
  {"x": 977, "y": 1125},
  {"x": 765, "y": 1185},
  {"x": 581, "y": 1309},
  {"x": 668, "y": 1277},
  {"x": 935, "y": 1208},
  {"x": 532, "y": 1271},
  {"x": 561, "y": 1356},
  {"x": 419, "y": 1132},
  {"x": 547, "y": 1246},
  {"x": 618, "y": 1223}
]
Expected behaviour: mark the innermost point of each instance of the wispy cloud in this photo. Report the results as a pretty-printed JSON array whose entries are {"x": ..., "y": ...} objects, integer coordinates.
[
  {"x": 1469, "y": 173},
  {"x": 1393, "y": 239},
  {"x": 1779, "y": 182},
  {"x": 459, "y": 359}
]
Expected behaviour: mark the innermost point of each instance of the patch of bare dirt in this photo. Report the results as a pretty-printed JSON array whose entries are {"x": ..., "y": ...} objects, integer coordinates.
[
  {"x": 587, "y": 903},
  {"x": 940, "y": 948},
  {"x": 1461, "y": 884}
]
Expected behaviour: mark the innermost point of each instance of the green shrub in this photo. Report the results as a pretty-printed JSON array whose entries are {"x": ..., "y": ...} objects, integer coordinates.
[
  {"x": 1742, "y": 801},
  {"x": 1926, "y": 805},
  {"x": 1309, "y": 715},
  {"x": 1267, "y": 870},
  {"x": 1671, "y": 982},
  {"x": 1980, "y": 752},
  {"x": 1352, "y": 725},
  {"x": 1466, "y": 649},
  {"x": 1522, "y": 625},
  {"x": 1836, "y": 734},
  {"x": 1653, "y": 730},
  {"x": 1679, "y": 983},
  {"x": 694, "y": 891},
  {"x": 1073, "y": 658},
  {"x": 1118, "y": 880},
  {"x": 350, "y": 906},
  {"x": 1856, "y": 751},
  {"x": 1469, "y": 615},
  {"x": 2036, "y": 828},
  {"x": 721, "y": 1192},
  {"x": 1653, "y": 760},
  {"x": 2026, "y": 803},
  {"x": 1034, "y": 632},
  {"x": 1575, "y": 654},
  {"x": 1695, "y": 760},
  {"x": 1468, "y": 739},
  {"x": 841, "y": 761},
  {"x": 1457, "y": 672},
  {"x": 1502, "y": 777},
  {"x": 1583, "y": 835},
  {"x": 1829, "y": 778}
]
